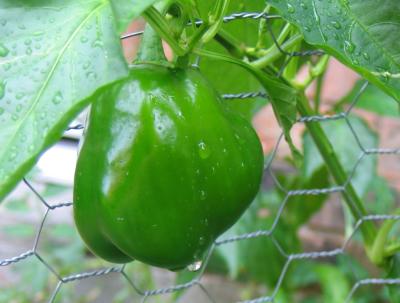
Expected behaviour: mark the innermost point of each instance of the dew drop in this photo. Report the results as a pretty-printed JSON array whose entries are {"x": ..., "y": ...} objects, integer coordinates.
[
  {"x": 13, "y": 155},
  {"x": 290, "y": 8},
  {"x": 7, "y": 66},
  {"x": 307, "y": 29},
  {"x": 38, "y": 33},
  {"x": 31, "y": 147},
  {"x": 28, "y": 42},
  {"x": 19, "y": 108},
  {"x": 14, "y": 117},
  {"x": 349, "y": 46},
  {"x": 19, "y": 96},
  {"x": 336, "y": 25},
  {"x": 58, "y": 98},
  {"x": 366, "y": 56},
  {"x": 2, "y": 90},
  {"x": 303, "y": 5},
  {"x": 28, "y": 51},
  {"x": 84, "y": 39},
  {"x": 97, "y": 43},
  {"x": 91, "y": 75},
  {"x": 195, "y": 266},
  {"x": 86, "y": 65},
  {"x": 204, "y": 150},
  {"x": 203, "y": 195},
  {"x": 3, "y": 50}
]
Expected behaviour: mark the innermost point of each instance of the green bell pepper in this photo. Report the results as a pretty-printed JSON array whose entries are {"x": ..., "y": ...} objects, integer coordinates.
[{"x": 164, "y": 167}]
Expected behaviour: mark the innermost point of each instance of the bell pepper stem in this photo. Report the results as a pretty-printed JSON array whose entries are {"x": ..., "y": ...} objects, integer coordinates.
[{"x": 151, "y": 49}]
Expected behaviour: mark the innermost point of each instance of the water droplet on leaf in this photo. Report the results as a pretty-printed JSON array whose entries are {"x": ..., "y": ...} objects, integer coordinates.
[
  {"x": 290, "y": 8},
  {"x": 349, "y": 46},
  {"x": 58, "y": 98},
  {"x": 3, "y": 50},
  {"x": 336, "y": 25},
  {"x": 2, "y": 90}
]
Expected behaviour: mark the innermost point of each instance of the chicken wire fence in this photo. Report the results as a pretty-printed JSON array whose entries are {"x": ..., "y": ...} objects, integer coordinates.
[{"x": 270, "y": 295}]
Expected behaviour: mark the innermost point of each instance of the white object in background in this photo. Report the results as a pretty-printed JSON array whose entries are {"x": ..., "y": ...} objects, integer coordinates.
[{"x": 57, "y": 164}]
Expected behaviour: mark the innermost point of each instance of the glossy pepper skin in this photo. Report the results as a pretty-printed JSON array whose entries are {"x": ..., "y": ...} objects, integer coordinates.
[{"x": 164, "y": 169}]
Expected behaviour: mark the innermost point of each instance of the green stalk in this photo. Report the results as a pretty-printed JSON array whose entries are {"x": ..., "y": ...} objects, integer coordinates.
[
  {"x": 273, "y": 53},
  {"x": 158, "y": 23},
  {"x": 151, "y": 49},
  {"x": 216, "y": 19},
  {"x": 327, "y": 152},
  {"x": 230, "y": 43},
  {"x": 262, "y": 30}
]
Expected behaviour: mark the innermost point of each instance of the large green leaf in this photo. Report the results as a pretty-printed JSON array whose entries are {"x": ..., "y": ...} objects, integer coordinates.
[
  {"x": 374, "y": 100},
  {"x": 363, "y": 34},
  {"x": 54, "y": 55}
]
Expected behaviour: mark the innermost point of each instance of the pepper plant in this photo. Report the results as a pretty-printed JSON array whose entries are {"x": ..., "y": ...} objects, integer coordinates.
[{"x": 57, "y": 57}]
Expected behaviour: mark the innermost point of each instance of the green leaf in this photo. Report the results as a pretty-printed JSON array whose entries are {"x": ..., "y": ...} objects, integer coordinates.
[
  {"x": 347, "y": 149},
  {"x": 374, "y": 100},
  {"x": 247, "y": 258},
  {"x": 55, "y": 54},
  {"x": 363, "y": 34},
  {"x": 299, "y": 209},
  {"x": 18, "y": 205},
  {"x": 335, "y": 286},
  {"x": 394, "y": 273},
  {"x": 127, "y": 10},
  {"x": 380, "y": 198},
  {"x": 19, "y": 230}
]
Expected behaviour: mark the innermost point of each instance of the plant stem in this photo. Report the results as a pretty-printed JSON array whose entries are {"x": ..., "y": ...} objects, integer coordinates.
[
  {"x": 216, "y": 19},
  {"x": 230, "y": 43},
  {"x": 262, "y": 29},
  {"x": 327, "y": 152},
  {"x": 158, "y": 23},
  {"x": 314, "y": 71},
  {"x": 274, "y": 52},
  {"x": 318, "y": 91}
]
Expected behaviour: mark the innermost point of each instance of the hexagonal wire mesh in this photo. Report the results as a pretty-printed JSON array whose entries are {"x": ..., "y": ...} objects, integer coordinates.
[{"x": 62, "y": 280}]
